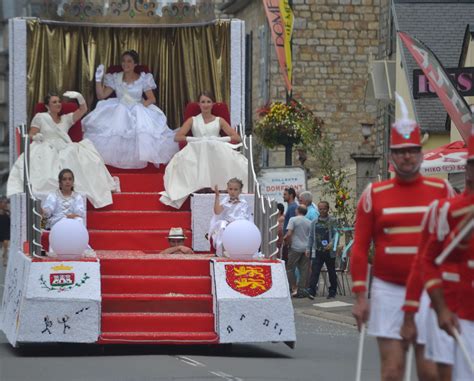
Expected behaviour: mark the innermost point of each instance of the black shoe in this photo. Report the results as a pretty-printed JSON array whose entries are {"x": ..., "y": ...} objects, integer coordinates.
[
  {"x": 299, "y": 295},
  {"x": 310, "y": 296},
  {"x": 330, "y": 296}
]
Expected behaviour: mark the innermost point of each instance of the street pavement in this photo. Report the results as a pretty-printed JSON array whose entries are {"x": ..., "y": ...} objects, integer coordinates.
[{"x": 326, "y": 349}]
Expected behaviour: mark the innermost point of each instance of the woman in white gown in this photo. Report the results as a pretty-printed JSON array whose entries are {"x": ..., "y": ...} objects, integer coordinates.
[
  {"x": 207, "y": 158},
  {"x": 129, "y": 131},
  {"x": 52, "y": 150}
]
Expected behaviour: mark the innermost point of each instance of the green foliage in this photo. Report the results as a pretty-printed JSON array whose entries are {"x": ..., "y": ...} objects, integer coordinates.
[{"x": 335, "y": 182}]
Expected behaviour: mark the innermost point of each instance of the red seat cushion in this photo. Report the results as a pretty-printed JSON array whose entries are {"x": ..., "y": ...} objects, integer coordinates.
[
  {"x": 218, "y": 109},
  {"x": 75, "y": 132}
]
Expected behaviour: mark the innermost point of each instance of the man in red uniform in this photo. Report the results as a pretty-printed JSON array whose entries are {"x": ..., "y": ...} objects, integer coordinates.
[
  {"x": 439, "y": 346},
  {"x": 389, "y": 213},
  {"x": 450, "y": 220}
]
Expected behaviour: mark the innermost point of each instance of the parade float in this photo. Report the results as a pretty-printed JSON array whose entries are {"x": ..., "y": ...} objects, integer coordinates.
[{"x": 130, "y": 293}]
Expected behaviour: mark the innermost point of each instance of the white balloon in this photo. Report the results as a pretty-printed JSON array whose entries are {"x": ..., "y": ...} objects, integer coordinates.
[
  {"x": 241, "y": 239},
  {"x": 69, "y": 238}
]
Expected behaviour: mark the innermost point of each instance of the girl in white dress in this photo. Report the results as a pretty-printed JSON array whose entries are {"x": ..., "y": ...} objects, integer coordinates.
[
  {"x": 231, "y": 209},
  {"x": 129, "y": 131},
  {"x": 52, "y": 150},
  {"x": 207, "y": 158},
  {"x": 64, "y": 203}
]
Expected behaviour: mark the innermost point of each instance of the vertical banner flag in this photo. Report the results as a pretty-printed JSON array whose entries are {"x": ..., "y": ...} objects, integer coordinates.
[
  {"x": 272, "y": 9},
  {"x": 288, "y": 19},
  {"x": 440, "y": 81}
]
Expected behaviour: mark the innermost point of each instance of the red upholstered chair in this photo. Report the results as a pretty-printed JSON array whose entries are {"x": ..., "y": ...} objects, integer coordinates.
[
  {"x": 219, "y": 109},
  {"x": 75, "y": 132}
]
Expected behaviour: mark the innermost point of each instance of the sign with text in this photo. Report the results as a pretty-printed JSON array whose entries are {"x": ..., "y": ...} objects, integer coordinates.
[
  {"x": 463, "y": 79},
  {"x": 273, "y": 181}
]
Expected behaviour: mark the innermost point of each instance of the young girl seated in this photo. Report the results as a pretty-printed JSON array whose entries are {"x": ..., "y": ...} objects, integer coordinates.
[
  {"x": 64, "y": 203},
  {"x": 232, "y": 208}
]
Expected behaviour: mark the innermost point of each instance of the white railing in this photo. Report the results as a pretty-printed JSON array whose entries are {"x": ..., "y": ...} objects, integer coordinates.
[
  {"x": 33, "y": 205},
  {"x": 265, "y": 210}
]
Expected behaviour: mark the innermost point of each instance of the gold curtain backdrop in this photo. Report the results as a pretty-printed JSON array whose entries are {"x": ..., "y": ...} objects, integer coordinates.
[{"x": 183, "y": 60}]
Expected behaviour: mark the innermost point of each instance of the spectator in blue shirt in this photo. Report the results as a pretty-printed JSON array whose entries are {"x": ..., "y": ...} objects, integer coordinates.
[
  {"x": 306, "y": 198},
  {"x": 289, "y": 196}
]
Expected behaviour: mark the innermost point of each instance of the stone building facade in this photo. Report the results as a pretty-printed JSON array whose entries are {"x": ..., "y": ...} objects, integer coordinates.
[{"x": 333, "y": 41}]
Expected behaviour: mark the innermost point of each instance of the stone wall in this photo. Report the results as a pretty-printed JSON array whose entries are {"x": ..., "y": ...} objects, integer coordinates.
[{"x": 332, "y": 42}]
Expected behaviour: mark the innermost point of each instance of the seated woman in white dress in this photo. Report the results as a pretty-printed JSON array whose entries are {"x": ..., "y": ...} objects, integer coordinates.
[
  {"x": 129, "y": 131},
  {"x": 52, "y": 150},
  {"x": 64, "y": 203},
  {"x": 206, "y": 160}
]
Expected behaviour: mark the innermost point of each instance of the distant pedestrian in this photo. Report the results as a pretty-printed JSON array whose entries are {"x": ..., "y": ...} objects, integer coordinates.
[
  {"x": 306, "y": 198},
  {"x": 297, "y": 239},
  {"x": 289, "y": 196},
  {"x": 280, "y": 221},
  {"x": 321, "y": 240}
]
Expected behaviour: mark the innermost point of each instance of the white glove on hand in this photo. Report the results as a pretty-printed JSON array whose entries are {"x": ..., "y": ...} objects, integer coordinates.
[
  {"x": 99, "y": 73},
  {"x": 38, "y": 137},
  {"x": 75, "y": 95}
]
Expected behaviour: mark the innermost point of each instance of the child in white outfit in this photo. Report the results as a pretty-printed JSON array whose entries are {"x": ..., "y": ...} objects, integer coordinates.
[{"x": 232, "y": 208}]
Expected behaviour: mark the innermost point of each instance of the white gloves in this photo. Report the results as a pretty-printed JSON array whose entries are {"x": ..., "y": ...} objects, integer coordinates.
[
  {"x": 99, "y": 73},
  {"x": 75, "y": 95},
  {"x": 38, "y": 137}
]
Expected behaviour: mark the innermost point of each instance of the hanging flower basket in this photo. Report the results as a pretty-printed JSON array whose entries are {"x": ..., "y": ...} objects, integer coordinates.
[{"x": 288, "y": 124}]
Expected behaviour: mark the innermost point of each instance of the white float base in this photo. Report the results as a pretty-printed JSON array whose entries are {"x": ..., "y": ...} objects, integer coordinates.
[{"x": 243, "y": 318}]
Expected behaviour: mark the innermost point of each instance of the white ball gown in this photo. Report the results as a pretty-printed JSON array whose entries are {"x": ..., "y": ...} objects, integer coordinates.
[
  {"x": 125, "y": 132},
  {"x": 202, "y": 164},
  {"x": 56, "y": 152}
]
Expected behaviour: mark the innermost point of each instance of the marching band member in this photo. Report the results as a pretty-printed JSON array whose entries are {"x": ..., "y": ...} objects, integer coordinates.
[
  {"x": 458, "y": 314},
  {"x": 439, "y": 346},
  {"x": 390, "y": 213}
]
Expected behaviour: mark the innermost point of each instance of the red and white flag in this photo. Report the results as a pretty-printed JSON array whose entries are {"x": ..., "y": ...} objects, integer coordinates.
[{"x": 440, "y": 81}]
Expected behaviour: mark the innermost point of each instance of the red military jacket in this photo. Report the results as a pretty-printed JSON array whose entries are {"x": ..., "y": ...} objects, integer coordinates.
[
  {"x": 389, "y": 214},
  {"x": 449, "y": 271},
  {"x": 463, "y": 256}
]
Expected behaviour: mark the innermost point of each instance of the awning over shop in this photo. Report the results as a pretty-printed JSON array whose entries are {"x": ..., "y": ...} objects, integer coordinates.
[{"x": 449, "y": 158}]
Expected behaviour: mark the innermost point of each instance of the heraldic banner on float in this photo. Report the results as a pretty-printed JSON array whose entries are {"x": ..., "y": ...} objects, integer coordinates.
[{"x": 252, "y": 301}]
